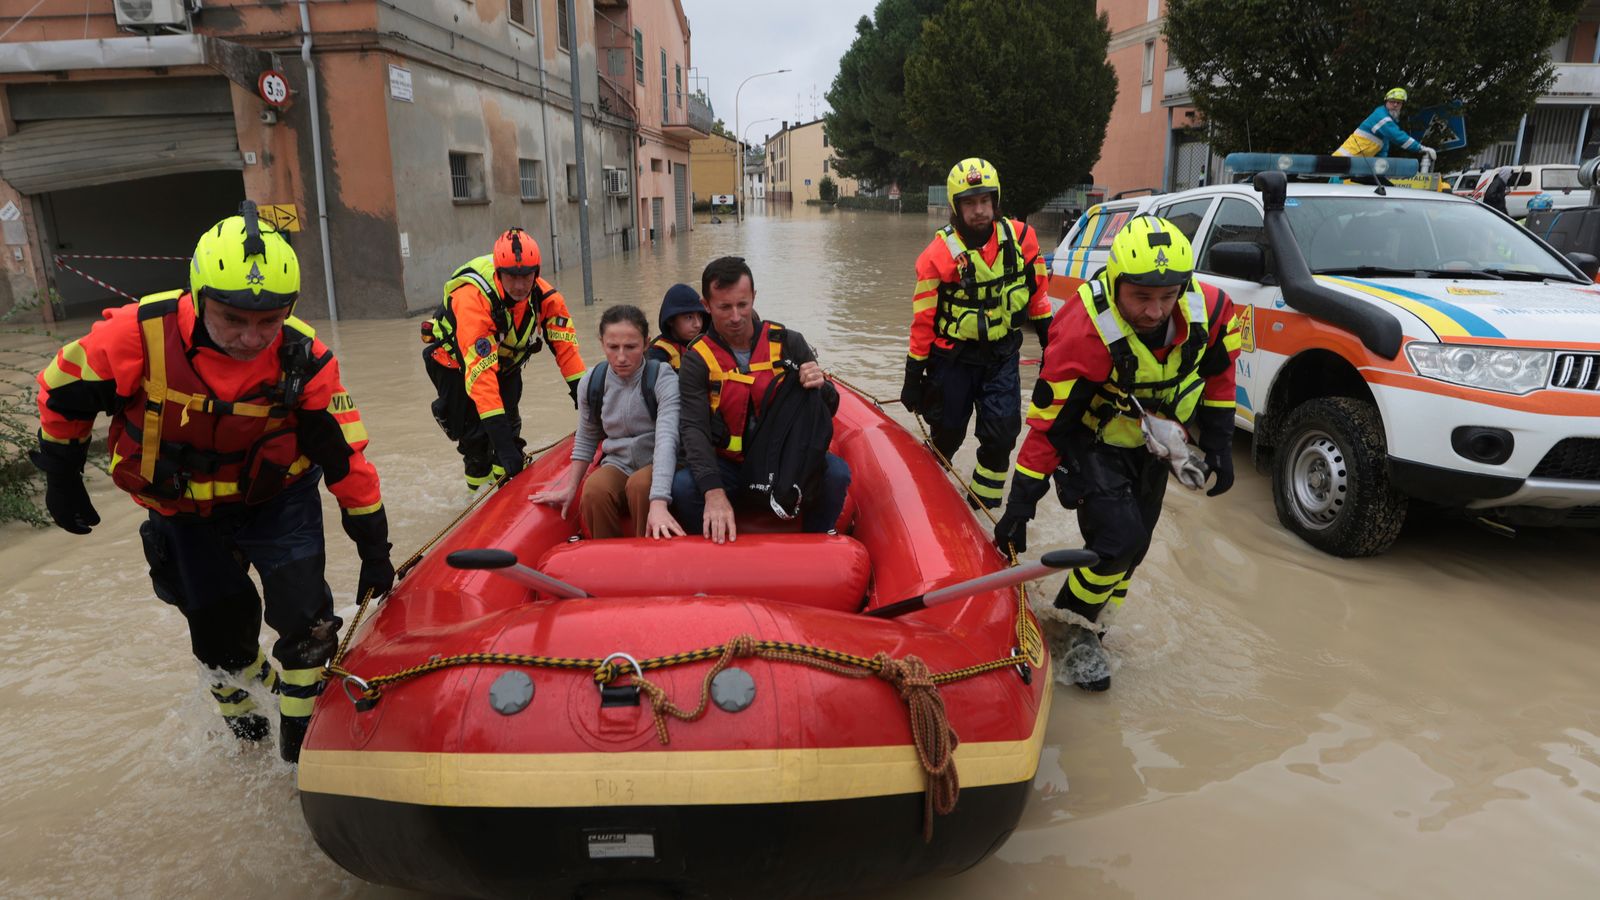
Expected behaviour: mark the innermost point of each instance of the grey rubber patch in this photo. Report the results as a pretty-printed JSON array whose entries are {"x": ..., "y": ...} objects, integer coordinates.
[
  {"x": 511, "y": 693},
  {"x": 733, "y": 690}
]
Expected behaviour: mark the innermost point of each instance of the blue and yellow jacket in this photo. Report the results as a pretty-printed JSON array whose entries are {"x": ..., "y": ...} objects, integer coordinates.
[{"x": 1377, "y": 132}]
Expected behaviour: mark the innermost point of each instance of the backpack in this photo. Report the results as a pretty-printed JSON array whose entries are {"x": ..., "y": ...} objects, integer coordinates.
[
  {"x": 597, "y": 389},
  {"x": 783, "y": 459}
]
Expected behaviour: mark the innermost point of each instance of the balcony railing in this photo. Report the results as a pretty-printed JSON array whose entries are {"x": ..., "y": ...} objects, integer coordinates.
[
  {"x": 1575, "y": 83},
  {"x": 615, "y": 102},
  {"x": 697, "y": 118}
]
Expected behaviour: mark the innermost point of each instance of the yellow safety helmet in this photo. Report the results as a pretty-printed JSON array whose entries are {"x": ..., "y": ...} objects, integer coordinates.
[
  {"x": 1152, "y": 252},
  {"x": 1395, "y": 94},
  {"x": 244, "y": 262},
  {"x": 970, "y": 177}
]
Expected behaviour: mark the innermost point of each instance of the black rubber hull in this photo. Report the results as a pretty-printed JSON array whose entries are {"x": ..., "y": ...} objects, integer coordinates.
[{"x": 766, "y": 850}]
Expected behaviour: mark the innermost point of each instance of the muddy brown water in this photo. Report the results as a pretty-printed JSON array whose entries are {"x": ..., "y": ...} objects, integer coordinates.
[{"x": 1282, "y": 723}]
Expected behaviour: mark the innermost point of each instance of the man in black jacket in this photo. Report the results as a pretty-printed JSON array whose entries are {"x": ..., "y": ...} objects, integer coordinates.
[{"x": 722, "y": 384}]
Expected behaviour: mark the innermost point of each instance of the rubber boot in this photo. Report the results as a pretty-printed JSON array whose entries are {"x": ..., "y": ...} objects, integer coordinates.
[
  {"x": 297, "y": 694},
  {"x": 237, "y": 706},
  {"x": 1085, "y": 661}
]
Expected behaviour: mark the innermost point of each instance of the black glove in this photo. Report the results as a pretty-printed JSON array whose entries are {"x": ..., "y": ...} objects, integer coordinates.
[
  {"x": 65, "y": 496},
  {"x": 507, "y": 452},
  {"x": 915, "y": 385},
  {"x": 1041, "y": 328},
  {"x": 1220, "y": 462},
  {"x": 1216, "y": 439},
  {"x": 572, "y": 388},
  {"x": 1011, "y": 532},
  {"x": 370, "y": 532}
]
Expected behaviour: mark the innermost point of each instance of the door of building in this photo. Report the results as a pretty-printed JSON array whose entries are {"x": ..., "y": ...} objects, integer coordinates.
[
  {"x": 655, "y": 219},
  {"x": 680, "y": 194}
]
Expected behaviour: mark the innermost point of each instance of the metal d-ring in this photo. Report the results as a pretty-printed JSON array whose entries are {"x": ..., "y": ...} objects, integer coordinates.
[
  {"x": 638, "y": 670},
  {"x": 361, "y": 683}
]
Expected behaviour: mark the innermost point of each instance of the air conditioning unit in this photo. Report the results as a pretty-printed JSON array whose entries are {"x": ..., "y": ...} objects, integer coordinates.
[
  {"x": 616, "y": 182},
  {"x": 151, "y": 13}
]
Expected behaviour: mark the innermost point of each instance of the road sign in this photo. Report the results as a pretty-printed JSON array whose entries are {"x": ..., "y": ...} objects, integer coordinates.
[
  {"x": 808, "y": 182},
  {"x": 273, "y": 88},
  {"x": 282, "y": 216},
  {"x": 1442, "y": 127},
  {"x": 721, "y": 199}
]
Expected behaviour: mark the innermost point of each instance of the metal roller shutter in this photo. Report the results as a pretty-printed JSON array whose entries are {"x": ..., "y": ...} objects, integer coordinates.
[{"x": 73, "y": 153}]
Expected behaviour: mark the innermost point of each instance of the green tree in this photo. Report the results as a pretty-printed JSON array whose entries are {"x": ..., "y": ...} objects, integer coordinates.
[
  {"x": 827, "y": 189},
  {"x": 1022, "y": 83},
  {"x": 867, "y": 119},
  {"x": 1299, "y": 77}
]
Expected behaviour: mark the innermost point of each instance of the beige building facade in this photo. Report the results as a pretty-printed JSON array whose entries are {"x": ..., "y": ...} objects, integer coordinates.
[
  {"x": 798, "y": 157},
  {"x": 714, "y": 162}
]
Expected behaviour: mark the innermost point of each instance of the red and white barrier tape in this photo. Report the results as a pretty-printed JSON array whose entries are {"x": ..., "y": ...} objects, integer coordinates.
[{"x": 59, "y": 257}]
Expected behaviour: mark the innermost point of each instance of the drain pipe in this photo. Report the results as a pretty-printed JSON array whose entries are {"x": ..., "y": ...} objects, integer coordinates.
[
  {"x": 316, "y": 158},
  {"x": 544, "y": 137}
]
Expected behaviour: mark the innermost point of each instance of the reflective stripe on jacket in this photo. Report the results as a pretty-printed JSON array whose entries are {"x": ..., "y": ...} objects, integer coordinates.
[{"x": 736, "y": 392}]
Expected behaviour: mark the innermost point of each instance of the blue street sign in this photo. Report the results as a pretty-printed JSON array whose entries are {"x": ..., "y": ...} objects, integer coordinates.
[{"x": 1442, "y": 127}]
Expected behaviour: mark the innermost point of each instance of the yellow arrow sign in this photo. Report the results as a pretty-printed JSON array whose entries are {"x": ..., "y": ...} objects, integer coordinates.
[{"x": 283, "y": 216}]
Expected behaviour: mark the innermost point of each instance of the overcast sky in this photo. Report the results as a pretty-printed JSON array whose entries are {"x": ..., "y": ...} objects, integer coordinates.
[{"x": 730, "y": 40}]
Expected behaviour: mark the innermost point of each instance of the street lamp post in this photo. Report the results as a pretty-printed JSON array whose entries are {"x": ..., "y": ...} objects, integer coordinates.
[
  {"x": 740, "y": 216},
  {"x": 744, "y": 149}
]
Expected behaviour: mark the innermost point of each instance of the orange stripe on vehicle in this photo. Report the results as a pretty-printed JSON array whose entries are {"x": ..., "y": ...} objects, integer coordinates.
[{"x": 1290, "y": 333}]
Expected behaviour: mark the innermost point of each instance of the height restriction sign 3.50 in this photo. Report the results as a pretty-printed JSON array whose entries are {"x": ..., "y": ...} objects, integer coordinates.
[{"x": 273, "y": 87}]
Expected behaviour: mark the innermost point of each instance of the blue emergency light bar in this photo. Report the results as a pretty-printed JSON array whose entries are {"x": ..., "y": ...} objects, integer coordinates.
[{"x": 1308, "y": 164}]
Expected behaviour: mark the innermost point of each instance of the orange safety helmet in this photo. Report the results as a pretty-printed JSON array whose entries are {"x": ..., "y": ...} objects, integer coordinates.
[{"x": 516, "y": 253}]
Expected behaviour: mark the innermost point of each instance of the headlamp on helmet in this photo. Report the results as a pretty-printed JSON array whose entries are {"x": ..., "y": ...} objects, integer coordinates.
[
  {"x": 1151, "y": 252},
  {"x": 244, "y": 262},
  {"x": 516, "y": 253},
  {"x": 971, "y": 177}
]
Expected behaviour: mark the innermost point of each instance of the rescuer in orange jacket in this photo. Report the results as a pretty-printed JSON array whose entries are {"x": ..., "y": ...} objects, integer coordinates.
[
  {"x": 225, "y": 410},
  {"x": 978, "y": 282},
  {"x": 1143, "y": 352},
  {"x": 497, "y": 312}
]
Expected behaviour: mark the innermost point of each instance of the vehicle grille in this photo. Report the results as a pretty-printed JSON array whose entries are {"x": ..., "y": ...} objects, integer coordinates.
[
  {"x": 1571, "y": 459},
  {"x": 1576, "y": 371}
]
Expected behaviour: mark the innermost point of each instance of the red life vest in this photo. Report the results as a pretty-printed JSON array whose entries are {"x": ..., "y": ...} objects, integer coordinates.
[
  {"x": 736, "y": 393},
  {"x": 184, "y": 449}
]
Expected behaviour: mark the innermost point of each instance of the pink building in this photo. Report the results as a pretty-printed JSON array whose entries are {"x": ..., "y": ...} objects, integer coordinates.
[{"x": 643, "y": 49}]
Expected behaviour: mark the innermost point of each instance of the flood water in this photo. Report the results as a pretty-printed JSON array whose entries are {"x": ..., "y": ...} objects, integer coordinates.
[{"x": 1281, "y": 723}]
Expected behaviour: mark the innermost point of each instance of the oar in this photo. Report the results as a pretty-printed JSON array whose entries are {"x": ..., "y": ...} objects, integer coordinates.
[
  {"x": 504, "y": 563},
  {"x": 1055, "y": 559}
]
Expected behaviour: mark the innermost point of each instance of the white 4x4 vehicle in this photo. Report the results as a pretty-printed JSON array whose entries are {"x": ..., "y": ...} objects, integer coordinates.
[{"x": 1400, "y": 346}]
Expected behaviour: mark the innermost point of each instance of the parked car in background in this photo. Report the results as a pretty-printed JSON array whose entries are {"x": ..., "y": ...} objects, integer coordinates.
[{"x": 1401, "y": 347}]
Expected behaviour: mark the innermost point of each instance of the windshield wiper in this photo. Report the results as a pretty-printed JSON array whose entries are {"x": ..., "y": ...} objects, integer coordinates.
[
  {"x": 1517, "y": 275},
  {"x": 1461, "y": 273},
  {"x": 1367, "y": 271}
]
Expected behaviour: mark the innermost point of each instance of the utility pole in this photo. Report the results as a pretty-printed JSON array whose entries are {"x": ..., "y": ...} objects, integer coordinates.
[{"x": 583, "y": 177}]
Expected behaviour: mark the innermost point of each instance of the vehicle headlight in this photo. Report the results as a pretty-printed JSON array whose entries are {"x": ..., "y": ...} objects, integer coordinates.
[{"x": 1503, "y": 369}]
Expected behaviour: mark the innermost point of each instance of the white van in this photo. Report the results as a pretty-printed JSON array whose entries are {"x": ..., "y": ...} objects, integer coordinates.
[{"x": 1560, "y": 182}]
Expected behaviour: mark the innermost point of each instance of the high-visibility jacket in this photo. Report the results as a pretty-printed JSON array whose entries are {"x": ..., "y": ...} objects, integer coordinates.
[
  {"x": 481, "y": 334},
  {"x": 667, "y": 350},
  {"x": 1095, "y": 359},
  {"x": 737, "y": 392},
  {"x": 1376, "y": 134},
  {"x": 980, "y": 295},
  {"x": 192, "y": 427}
]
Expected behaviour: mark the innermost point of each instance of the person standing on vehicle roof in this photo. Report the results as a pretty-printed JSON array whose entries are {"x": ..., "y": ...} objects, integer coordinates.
[
  {"x": 1141, "y": 357},
  {"x": 225, "y": 411},
  {"x": 1381, "y": 130},
  {"x": 497, "y": 312},
  {"x": 979, "y": 281}
]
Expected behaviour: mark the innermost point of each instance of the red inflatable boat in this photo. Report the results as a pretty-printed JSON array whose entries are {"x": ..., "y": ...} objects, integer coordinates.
[{"x": 708, "y": 721}]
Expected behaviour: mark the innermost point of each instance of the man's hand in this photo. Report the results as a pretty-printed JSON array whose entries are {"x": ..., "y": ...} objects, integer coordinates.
[
  {"x": 377, "y": 576},
  {"x": 1011, "y": 532},
  {"x": 1429, "y": 152},
  {"x": 915, "y": 385},
  {"x": 507, "y": 452},
  {"x": 811, "y": 375},
  {"x": 67, "y": 500},
  {"x": 718, "y": 525},
  {"x": 1220, "y": 462},
  {"x": 572, "y": 388}
]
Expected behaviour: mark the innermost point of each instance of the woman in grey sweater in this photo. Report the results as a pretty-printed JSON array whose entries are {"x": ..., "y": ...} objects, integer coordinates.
[{"x": 633, "y": 482}]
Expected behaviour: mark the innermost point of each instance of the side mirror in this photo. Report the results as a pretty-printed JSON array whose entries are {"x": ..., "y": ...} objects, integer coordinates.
[
  {"x": 1238, "y": 259},
  {"x": 1587, "y": 263}
]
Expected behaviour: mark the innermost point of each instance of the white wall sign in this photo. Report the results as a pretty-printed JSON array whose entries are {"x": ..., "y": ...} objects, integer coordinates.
[
  {"x": 9, "y": 212},
  {"x": 400, "y": 83},
  {"x": 721, "y": 199}
]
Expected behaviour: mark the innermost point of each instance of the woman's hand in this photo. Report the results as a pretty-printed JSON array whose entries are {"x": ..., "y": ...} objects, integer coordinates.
[
  {"x": 660, "y": 523},
  {"x": 563, "y": 495}
]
